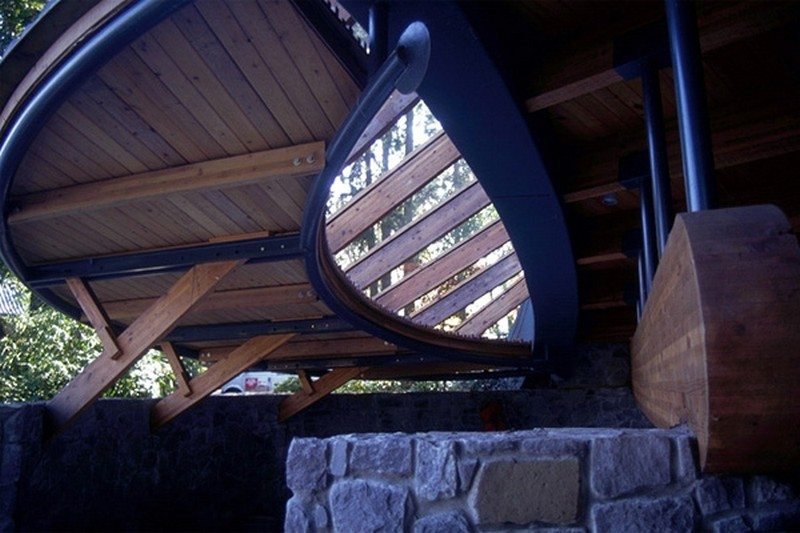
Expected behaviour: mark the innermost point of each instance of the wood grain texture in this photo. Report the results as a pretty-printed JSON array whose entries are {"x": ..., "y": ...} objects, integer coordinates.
[
  {"x": 717, "y": 346},
  {"x": 322, "y": 387}
]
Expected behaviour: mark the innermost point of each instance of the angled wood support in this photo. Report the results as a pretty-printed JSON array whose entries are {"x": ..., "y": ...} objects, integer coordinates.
[
  {"x": 305, "y": 382},
  {"x": 321, "y": 388},
  {"x": 139, "y": 337},
  {"x": 417, "y": 235},
  {"x": 479, "y": 322},
  {"x": 434, "y": 273},
  {"x": 96, "y": 315},
  {"x": 181, "y": 376},
  {"x": 300, "y": 160},
  {"x": 212, "y": 379},
  {"x": 469, "y": 290}
]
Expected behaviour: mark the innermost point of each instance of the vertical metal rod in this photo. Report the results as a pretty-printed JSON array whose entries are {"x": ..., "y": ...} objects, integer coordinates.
[
  {"x": 649, "y": 257},
  {"x": 642, "y": 288},
  {"x": 378, "y": 34},
  {"x": 657, "y": 147},
  {"x": 698, "y": 160}
]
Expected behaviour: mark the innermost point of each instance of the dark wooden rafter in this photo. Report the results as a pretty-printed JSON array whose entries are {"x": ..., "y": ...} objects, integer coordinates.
[
  {"x": 417, "y": 235},
  {"x": 434, "y": 273},
  {"x": 259, "y": 297},
  {"x": 569, "y": 75},
  {"x": 323, "y": 386},
  {"x": 738, "y": 138},
  {"x": 468, "y": 291},
  {"x": 139, "y": 337},
  {"x": 238, "y": 361},
  {"x": 294, "y": 161},
  {"x": 480, "y": 321},
  {"x": 390, "y": 190}
]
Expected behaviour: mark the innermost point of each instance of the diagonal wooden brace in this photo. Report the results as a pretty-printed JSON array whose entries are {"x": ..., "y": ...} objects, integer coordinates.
[
  {"x": 236, "y": 362},
  {"x": 181, "y": 377},
  {"x": 321, "y": 388},
  {"x": 96, "y": 315},
  {"x": 139, "y": 337}
]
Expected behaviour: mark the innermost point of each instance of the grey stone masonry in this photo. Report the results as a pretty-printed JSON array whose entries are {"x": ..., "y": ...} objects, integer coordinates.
[{"x": 603, "y": 480}]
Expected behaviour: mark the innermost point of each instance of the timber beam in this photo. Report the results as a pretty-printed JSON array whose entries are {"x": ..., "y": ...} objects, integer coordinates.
[
  {"x": 390, "y": 190},
  {"x": 479, "y": 322},
  {"x": 569, "y": 75},
  {"x": 245, "y": 330},
  {"x": 396, "y": 105},
  {"x": 436, "y": 272},
  {"x": 139, "y": 337},
  {"x": 96, "y": 316},
  {"x": 217, "y": 375},
  {"x": 468, "y": 291},
  {"x": 417, "y": 235},
  {"x": 293, "y": 161},
  {"x": 320, "y": 388}
]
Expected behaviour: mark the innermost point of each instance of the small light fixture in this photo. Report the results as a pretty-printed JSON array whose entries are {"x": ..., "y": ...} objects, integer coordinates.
[{"x": 610, "y": 199}]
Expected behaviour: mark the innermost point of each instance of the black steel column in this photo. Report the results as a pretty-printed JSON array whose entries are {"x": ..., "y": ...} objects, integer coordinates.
[
  {"x": 649, "y": 257},
  {"x": 698, "y": 160},
  {"x": 642, "y": 286},
  {"x": 657, "y": 148}
]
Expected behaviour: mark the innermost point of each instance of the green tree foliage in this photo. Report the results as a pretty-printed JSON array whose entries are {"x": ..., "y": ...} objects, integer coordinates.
[
  {"x": 362, "y": 386},
  {"x": 41, "y": 350},
  {"x": 14, "y": 16}
]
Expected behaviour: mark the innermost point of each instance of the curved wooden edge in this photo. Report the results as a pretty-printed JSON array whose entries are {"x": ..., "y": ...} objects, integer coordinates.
[
  {"x": 717, "y": 346},
  {"x": 94, "y": 18}
]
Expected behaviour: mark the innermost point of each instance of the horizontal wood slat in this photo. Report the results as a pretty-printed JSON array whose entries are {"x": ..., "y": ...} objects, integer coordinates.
[
  {"x": 479, "y": 322},
  {"x": 238, "y": 170},
  {"x": 417, "y": 235}
]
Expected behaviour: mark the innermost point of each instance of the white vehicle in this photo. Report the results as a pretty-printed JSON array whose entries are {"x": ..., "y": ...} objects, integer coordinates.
[{"x": 252, "y": 382}]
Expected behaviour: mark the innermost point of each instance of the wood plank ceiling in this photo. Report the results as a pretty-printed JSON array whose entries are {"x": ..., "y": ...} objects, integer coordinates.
[{"x": 211, "y": 128}]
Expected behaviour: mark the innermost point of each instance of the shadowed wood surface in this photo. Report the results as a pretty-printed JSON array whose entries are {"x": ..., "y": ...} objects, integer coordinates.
[{"x": 717, "y": 344}]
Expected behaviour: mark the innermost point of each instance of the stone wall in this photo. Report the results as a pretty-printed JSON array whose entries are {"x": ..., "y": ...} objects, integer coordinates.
[{"x": 542, "y": 480}]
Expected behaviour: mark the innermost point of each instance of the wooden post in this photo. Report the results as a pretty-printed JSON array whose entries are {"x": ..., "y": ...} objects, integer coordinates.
[
  {"x": 235, "y": 363},
  {"x": 139, "y": 337},
  {"x": 322, "y": 387}
]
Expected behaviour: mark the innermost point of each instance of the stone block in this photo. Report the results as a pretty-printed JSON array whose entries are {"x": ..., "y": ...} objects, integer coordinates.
[
  {"x": 320, "y": 517},
  {"x": 729, "y": 524},
  {"x": 382, "y": 454},
  {"x": 685, "y": 463},
  {"x": 716, "y": 494},
  {"x": 296, "y": 519},
  {"x": 466, "y": 472},
  {"x": 644, "y": 515},
  {"x": 764, "y": 489},
  {"x": 786, "y": 518},
  {"x": 339, "y": 452},
  {"x": 524, "y": 491},
  {"x": 360, "y": 505},
  {"x": 436, "y": 476},
  {"x": 452, "y": 522},
  {"x": 483, "y": 444},
  {"x": 629, "y": 462},
  {"x": 306, "y": 465},
  {"x": 554, "y": 446}
]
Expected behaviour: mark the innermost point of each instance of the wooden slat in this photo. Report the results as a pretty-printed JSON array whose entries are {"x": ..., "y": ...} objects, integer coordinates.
[
  {"x": 96, "y": 315},
  {"x": 322, "y": 387},
  {"x": 238, "y": 361},
  {"x": 396, "y": 106},
  {"x": 140, "y": 336},
  {"x": 468, "y": 291},
  {"x": 238, "y": 170},
  {"x": 716, "y": 346},
  {"x": 479, "y": 322},
  {"x": 416, "y": 236},
  {"x": 572, "y": 74},
  {"x": 436, "y": 272},
  {"x": 372, "y": 204},
  {"x": 181, "y": 377}
]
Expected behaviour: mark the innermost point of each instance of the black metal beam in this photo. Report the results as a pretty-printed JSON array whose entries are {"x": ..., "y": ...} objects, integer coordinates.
[
  {"x": 246, "y": 330},
  {"x": 264, "y": 249}
]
